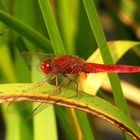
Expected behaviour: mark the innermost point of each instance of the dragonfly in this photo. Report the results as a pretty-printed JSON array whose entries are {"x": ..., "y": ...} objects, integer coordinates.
[
  {"x": 68, "y": 64},
  {"x": 71, "y": 66}
]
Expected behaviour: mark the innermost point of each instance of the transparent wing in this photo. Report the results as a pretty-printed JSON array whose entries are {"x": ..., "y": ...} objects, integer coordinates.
[
  {"x": 34, "y": 58},
  {"x": 52, "y": 74},
  {"x": 64, "y": 83}
]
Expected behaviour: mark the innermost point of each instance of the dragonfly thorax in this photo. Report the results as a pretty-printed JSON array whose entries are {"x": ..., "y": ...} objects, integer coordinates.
[{"x": 46, "y": 66}]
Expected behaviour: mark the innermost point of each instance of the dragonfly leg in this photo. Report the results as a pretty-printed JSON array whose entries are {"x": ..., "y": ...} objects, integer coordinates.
[
  {"x": 56, "y": 80},
  {"x": 71, "y": 80},
  {"x": 45, "y": 81}
]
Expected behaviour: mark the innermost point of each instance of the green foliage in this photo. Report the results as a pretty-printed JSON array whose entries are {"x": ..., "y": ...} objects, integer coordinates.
[{"x": 72, "y": 27}]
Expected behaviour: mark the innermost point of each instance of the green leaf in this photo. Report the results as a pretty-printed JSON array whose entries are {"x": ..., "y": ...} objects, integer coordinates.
[
  {"x": 84, "y": 125},
  {"x": 51, "y": 27},
  {"x": 67, "y": 19},
  {"x": 101, "y": 42},
  {"x": 32, "y": 35},
  {"x": 17, "y": 126},
  {"x": 91, "y": 104}
]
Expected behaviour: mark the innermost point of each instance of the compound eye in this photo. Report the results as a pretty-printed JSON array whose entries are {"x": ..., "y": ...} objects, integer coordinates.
[{"x": 46, "y": 66}]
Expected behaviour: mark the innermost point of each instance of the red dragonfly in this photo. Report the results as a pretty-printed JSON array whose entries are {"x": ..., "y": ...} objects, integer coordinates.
[
  {"x": 68, "y": 64},
  {"x": 71, "y": 66}
]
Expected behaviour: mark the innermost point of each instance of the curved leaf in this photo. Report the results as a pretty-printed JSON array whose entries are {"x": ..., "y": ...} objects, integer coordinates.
[
  {"x": 91, "y": 104},
  {"x": 117, "y": 49}
]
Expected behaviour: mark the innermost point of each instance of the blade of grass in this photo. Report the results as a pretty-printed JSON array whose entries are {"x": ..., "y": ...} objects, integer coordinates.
[
  {"x": 35, "y": 37},
  {"x": 56, "y": 43},
  {"x": 67, "y": 22},
  {"x": 91, "y": 104},
  {"x": 101, "y": 41},
  {"x": 17, "y": 127},
  {"x": 50, "y": 23},
  {"x": 63, "y": 115},
  {"x": 86, "y": 130}
]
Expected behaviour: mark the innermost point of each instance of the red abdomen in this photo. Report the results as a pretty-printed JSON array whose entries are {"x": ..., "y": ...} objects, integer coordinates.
[{"x": 94, "y": 68}]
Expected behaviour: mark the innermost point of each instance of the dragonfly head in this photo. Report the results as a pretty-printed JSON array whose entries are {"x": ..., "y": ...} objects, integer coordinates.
[{"x": 46, "y": 66}]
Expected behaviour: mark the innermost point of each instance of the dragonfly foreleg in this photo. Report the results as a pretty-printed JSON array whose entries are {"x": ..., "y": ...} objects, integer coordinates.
[{"x": 71, "y": 80}]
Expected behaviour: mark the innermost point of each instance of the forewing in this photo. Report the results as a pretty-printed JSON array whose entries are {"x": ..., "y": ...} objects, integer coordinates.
[
  {"x": 33, "y": 58},
  {"x": 66, "y": 81}
]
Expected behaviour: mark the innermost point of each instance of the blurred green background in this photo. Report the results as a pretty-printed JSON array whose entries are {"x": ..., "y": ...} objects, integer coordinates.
[{"x": 26, "y": 31}]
